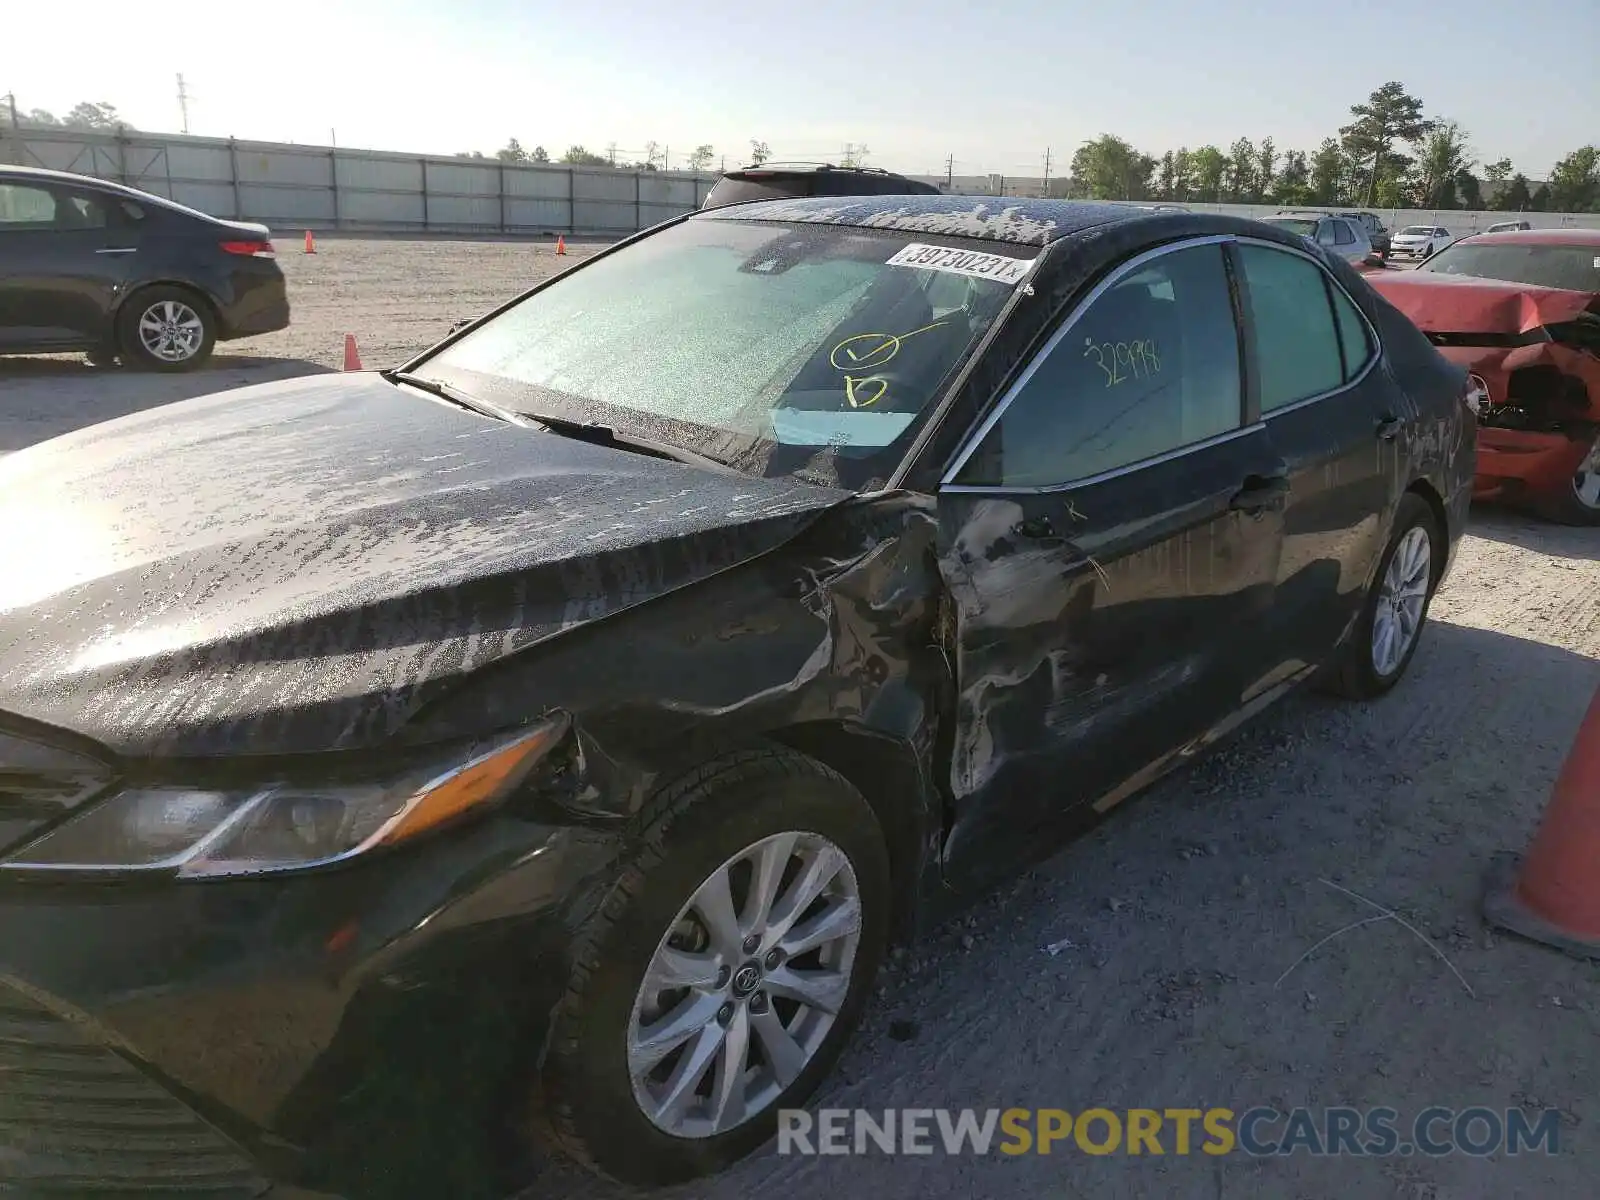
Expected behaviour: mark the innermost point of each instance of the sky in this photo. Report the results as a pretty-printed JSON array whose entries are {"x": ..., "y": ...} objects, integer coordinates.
[{"x": 995, "y": 83}]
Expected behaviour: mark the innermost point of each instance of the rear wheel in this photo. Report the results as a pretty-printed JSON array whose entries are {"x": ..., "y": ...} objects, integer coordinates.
[
  {"x": 722, "y": 974},
  {"x": 166, "y": 329},
  {"x": 1380, "y": 646}
]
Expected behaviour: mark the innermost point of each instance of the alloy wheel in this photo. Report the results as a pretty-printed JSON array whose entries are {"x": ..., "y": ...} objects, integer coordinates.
[
  {"x": 1402, "y": 594},
  {"x": 743, "y": 989},
  {"x": 1586, "y": 481},
  {"x": 171, "y": 331}
]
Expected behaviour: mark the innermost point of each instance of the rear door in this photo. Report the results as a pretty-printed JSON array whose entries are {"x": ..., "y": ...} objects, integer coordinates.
[
  {"x": 63, "y": 259},
  {"x": 1110, "y": 541},
  {"x": 1315, "y": 376}
]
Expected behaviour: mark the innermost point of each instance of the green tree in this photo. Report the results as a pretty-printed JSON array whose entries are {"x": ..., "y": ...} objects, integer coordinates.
[
  {"x": 1443, "y": 156},
  {"x": 1468, "y": 191},
  {"x": 539, "y": 155},
  {"x": 578, "y": 156},
  {"x": 1241, "y": 186},
  {"x": 1327, "y": 173},
  {"x": 759, "y": 152},
  {"x": 1389, "y": 116},
  {"x": 1498, "y": 171},
  {"x": 98, "y": 117},
  {"x": 1209, "y": 170},
  {"x": 1541, "y": 200},
  {"x": 512, "y": 152},
  {"x": 1166, "y": 177},
  {"x": 1575, "y": 181},
  {"x": 1514, "y": 196},
  {"x": 700, "y": 158},
  {"x": 1108, "y": 168},
  {"x": 1293, "y": 186},
  {"x": 1182, "y": 173},
  {"x": 1266, "y": 168}
]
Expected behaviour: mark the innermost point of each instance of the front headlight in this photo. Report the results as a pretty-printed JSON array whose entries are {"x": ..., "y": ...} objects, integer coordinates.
[{"x": 285, "y": 826}]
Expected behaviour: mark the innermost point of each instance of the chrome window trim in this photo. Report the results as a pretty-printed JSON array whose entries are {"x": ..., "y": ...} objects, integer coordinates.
[
  {"x": 1374, "y": 342},
  {"x": 974, "y": 440}
]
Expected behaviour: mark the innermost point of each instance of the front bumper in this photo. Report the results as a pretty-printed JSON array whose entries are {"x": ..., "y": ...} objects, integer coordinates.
[
  {"x": 1514, "y": 463},
  {"x": 370, "y": 1032}
]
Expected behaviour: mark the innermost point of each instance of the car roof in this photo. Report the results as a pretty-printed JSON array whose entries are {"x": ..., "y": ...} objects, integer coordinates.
[
  {"x": 1540, "y": 237},
  {"x": 46, "y": 175},
  {"x": 1010, "y": 219},
  {"x": 805, "y": 168}
]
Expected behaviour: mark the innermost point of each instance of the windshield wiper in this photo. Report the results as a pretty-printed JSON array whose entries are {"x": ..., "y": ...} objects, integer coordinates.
[
  {"x": 459, "y": 398},
  {"x": 606, "y": 435}
]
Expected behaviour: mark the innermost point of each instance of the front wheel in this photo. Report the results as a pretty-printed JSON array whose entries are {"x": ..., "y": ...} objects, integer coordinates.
[
  {"x": 1580, "y": 505},
  {"x": 1381, "y": 644},
  {"x": 722, "y": 974},
  {"x": 166, "y": 329}
]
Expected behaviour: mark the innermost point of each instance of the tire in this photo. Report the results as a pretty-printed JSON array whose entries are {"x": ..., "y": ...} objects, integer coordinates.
[
  {"x": 592, "y": 1099},
  {"x": 1579, "y": 503},
  {"x": 1356, "y": 672},
  {"x": 166, "y": 328}
]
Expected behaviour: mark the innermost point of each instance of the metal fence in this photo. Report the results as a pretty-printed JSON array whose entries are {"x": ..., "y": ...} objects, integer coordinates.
[
  {"x": 326, "y": 187},
  {"x": 329, "y": 188}
]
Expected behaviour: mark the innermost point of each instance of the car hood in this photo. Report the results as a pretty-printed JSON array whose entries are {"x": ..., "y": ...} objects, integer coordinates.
[
  {"x": 301, "y": 566},
  {"x": 1439, "y": 303}
]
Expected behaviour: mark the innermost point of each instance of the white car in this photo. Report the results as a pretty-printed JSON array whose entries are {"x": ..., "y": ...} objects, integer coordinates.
[{"x": 1420, "y": 241}]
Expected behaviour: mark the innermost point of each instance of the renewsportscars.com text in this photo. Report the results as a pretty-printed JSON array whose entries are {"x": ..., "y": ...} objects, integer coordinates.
[{"x": 1261, "y": 1131}]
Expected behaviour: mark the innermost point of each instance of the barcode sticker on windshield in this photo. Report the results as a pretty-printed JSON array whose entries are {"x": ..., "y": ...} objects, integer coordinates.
[{"x": 962, "y": 262}]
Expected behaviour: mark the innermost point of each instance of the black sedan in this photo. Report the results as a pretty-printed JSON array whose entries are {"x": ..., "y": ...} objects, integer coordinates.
[
  {"x": 94, "y": 266},
  {"x": 539, "y": 745}
]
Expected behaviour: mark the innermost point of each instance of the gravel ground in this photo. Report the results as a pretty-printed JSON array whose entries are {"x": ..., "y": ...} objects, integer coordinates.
[{"x": 1189, "y": 910}]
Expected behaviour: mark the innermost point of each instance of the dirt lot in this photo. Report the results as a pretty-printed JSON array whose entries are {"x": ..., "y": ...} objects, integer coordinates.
[{"x": 1188, "y": 911}]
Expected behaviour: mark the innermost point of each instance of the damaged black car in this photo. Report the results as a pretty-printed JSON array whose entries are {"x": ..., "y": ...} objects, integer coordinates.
[{"x": 405, "y": 773}]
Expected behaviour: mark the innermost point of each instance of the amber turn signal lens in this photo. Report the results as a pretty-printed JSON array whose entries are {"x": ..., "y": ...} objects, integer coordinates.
[{"x": 480, "y": 781}]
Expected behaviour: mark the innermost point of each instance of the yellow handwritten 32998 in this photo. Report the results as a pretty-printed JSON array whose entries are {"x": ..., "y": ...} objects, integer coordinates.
[{"x": 1122, "y": 361}]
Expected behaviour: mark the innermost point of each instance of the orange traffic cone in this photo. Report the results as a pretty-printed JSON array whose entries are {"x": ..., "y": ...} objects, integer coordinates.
[
  {"x": 352, "y": 357},
  {"x": 561, "y": 244},
  {"x": 1555, "y": 898},
  {"x": 311, "y": 243}
]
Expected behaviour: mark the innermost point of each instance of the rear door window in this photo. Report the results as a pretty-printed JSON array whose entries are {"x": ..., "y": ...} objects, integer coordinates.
[
  {"x": 1298, "y": 351},
  {"x": 1343, "y": 235},
  {"x": 23, "y": 206}
]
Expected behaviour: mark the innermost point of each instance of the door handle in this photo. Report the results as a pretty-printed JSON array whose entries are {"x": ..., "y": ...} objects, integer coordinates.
[
  {"x": 119, "y": 250},
  {"x": 1261, "y": 493},
  {"x": 1034, "y": 528},
  {"x": 1389, "y": 428}
]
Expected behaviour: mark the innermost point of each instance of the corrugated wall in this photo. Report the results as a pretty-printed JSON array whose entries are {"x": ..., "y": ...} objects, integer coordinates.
[{"x": 322, "y": 188}]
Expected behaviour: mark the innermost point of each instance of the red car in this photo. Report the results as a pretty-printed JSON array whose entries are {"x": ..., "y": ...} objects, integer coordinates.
[{"x": 1521, "y": 311}]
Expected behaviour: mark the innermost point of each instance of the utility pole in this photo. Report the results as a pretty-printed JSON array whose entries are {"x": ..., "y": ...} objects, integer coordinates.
[
  {"x": 1045, "y": 190},
  {"x": 949, "y": 172},
  {"x": 183, "y": 102},
  {"x": 611, "y": 153}
]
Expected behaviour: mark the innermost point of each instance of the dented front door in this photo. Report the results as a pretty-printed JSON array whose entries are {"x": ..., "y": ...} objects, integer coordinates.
[{"x": 1098, "y": 630}]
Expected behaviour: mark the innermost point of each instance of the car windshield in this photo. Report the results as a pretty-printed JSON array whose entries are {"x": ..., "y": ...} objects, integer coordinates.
[
  {"x": 1574, "y": 268},
  {"x": 1295, "y": 225},
  {"x": 808, "y": 350},
  {"x": 1416, "y": 231}
]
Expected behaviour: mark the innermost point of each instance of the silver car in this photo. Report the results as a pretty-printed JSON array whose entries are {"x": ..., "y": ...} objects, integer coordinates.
[{"x": 1348, "y": 239}]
